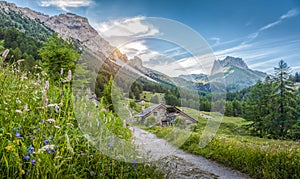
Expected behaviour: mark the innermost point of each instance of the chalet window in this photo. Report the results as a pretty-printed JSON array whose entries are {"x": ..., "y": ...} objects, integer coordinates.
[{"x": 155, "y": 113}]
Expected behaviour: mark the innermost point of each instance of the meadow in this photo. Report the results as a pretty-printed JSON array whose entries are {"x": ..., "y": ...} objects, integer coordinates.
[
  {"x": 41, "y": 136},
  {"x": 235, "y": 148}
]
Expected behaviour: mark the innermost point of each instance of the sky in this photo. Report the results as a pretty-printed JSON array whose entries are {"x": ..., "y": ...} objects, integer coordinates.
[{"x": 169, "y": 36}]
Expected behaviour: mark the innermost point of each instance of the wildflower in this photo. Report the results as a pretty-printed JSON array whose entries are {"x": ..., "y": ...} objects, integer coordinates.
[
  {"x": 30, "y": 150},
  {"x": 134, "y": 163},
  {"x": 70, "y": 124},
  {"x": 110, "y": 144},
  {"x": 69, "y": 78},
  {"x": 19, "y": 111},
  {"x": 55, "y": 106},
  {"x": 61, "y": 71},
  {"x": 51, "y": 121},
  {"x": 33, "y": 161},
  {"x": 27, "y": 157},
  {"x": 49, "y": 151},
  {"x": 39, "y": 129},
  {"x": 8, "y": 147},
  {"x": 46, "y": 142},
  {"x": 23, "y": 172},
  {"x": 56, "y": 127},
  {"x": 43, "y": 136},
  {"x": 17, "y": 142},
  {"x": 27, "y": 173},
  {"x": 5, "y": 53},
  {"x": 92, "y": 173},
  {"x": 18, "y": 134},
  {"x": 26, "y": 108},
  {"x": 19, "y": 61},
  {"x": 46, "y": 148},
  {"x": 47, "y": 85}
]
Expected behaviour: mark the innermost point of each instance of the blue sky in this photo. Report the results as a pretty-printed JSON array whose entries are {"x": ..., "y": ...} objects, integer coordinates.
[{"x": 260, "y": 32}]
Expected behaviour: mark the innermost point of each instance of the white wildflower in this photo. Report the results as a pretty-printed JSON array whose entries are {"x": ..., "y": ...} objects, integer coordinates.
[
  {"x": 47, "y": 85},
  {"x": 19, "y": 111},
  {"x": 61, "y": 71},
  {"x": 50, "y": 121},
  {"x": 56, "y": 127},
  {"x": 70, "y": 124},
  {"x": 5, "y": 53},
  {"x": 69, "y": 78},
  {"x": 46, "y": 148}
]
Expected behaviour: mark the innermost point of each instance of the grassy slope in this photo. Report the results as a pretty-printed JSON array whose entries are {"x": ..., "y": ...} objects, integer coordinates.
[
  {"x": 25, "y": 132},
  {"x": 260, "y": 158}
]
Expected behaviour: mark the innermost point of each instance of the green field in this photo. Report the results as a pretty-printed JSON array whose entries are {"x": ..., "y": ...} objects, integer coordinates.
[{"x": 233, "y": 147}]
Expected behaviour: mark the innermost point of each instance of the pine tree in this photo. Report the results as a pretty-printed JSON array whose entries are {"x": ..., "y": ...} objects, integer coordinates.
[{"x": 285, "y": 99}]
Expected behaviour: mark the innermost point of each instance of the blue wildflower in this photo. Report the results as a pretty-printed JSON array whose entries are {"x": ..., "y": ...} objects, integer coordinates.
[
  {"x": 46, "y": 142},
  {"x": 44, "y": 136},
  {"x": 33, "y": 161},
  {"x": 18, "y": 134},
  {"x": 53, "y": 151},
  {"x": 92, "y": 173},
  {"x": 26, "y": 157},
  {"x": 110, "y": 144},
  {"x": 30, "y": 149},
  {"x": 49, "y": 151},
  {"x": 39, "y": 129},
  {"x": 134, "y": 163}
]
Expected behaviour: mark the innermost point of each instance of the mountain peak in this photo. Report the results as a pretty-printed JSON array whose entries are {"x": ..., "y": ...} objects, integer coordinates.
[{"x": 233, "y": 61}]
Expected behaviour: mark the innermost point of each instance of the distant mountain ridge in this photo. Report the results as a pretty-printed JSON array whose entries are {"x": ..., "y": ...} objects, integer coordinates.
[{"x": 237, "y": 74}]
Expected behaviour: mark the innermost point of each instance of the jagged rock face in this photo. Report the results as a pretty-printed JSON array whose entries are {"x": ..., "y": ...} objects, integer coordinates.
[
  {"x": 70, "y": 25},
  {"x": 232, "y": 61},
  {"x": 136, "y": 62}
]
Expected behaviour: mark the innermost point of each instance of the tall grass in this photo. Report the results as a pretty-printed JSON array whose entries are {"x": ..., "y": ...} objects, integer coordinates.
[
  {"x": 260, "y": 158},
  {"x": 40, "y": 136}
]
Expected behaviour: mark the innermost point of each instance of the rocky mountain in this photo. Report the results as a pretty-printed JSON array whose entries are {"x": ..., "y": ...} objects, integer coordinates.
[{"x": 236, "y": 73}]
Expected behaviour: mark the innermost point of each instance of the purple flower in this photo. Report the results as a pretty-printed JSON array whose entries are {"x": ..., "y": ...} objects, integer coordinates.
[
  {"x": 46, "y": 142},
  {"x": 110, "y": 144},
  {"x": 44, "y": 136},
  {"x": 33, "y": 161},
  {"x": 39, "y": 129},
  {"x": 134, "y": 163},
  {"x": 26, "y": 157},
  {"x": 53, "y": 151},
  {"x": 18, "y": 134},
  {"x": 49, "y": 151},
  {"x": 30, "y": 149},
  {"x": 92, "y": 173}
]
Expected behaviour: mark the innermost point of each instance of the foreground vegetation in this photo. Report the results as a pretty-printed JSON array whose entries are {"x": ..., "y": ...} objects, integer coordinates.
[
  {"x": 40, "y": 136},
  {"x": 258, "y": 157}
]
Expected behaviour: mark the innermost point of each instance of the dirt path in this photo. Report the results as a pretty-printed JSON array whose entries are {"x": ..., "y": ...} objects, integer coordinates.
[{"x": 177, "y": 163}]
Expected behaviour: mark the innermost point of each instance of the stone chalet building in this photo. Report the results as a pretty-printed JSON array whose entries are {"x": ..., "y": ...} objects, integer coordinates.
[{"x": 165, "y": 115}]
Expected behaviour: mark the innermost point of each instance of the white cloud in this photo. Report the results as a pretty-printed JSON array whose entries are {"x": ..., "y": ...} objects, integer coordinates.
[
  {"x": 121, "y": 31},
  {"x": 65, "y": 4},
  {"x": 289, "y": 14}
]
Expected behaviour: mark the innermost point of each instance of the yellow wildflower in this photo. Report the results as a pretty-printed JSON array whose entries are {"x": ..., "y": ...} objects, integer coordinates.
[
  {"x": 23, "y": 172},
  {"x": 17, "y": 142},
  {"x": 8, "y": 147}
]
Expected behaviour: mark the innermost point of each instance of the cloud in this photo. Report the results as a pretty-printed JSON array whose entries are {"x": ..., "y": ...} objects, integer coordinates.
[
  {"x": 65, "y": 4},
  {"x": 289, "y": 14},
  {"x": 121, "y": 31},
  {"x": 216, "y": 39}
]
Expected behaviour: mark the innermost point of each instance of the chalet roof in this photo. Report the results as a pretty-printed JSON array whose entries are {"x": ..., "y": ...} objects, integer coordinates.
[
  {"x": 171, "y": 109},
  {"x": 148, "y": 110}
]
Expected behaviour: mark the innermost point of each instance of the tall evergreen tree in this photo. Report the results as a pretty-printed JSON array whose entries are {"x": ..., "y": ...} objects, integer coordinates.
[{"x": 285, "y": 99}]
